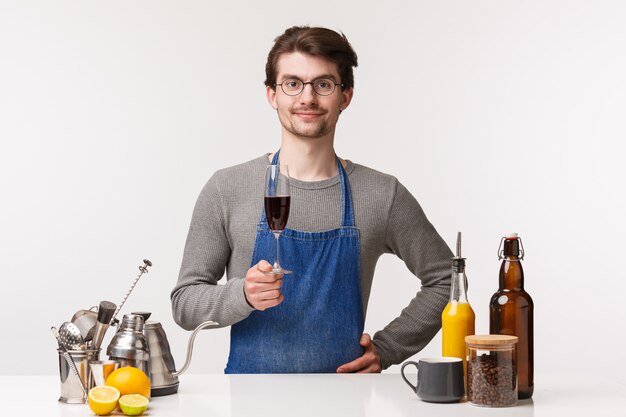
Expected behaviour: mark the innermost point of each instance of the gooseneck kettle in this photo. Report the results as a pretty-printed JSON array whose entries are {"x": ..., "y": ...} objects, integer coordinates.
[{"x": 163, "y": 373}]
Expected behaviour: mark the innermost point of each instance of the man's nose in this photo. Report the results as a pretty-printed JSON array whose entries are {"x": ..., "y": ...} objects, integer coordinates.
[{"x": 308, "y": 94}]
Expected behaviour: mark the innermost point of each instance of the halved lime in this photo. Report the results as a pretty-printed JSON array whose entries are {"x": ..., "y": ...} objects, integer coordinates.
[{"x": 133, "y": 404}]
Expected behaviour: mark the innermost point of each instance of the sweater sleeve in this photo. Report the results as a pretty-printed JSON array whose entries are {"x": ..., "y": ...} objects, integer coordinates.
[
  {"x": 413, "y": 239},
  {"x": 197, "y": 297}
]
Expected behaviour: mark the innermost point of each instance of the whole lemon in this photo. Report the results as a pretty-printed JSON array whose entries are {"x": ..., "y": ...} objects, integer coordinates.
[{"x": 129, "y": 380}]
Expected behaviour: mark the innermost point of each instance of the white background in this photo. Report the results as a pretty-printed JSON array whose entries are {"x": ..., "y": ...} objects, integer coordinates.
[{"x": 497, "y": 115}]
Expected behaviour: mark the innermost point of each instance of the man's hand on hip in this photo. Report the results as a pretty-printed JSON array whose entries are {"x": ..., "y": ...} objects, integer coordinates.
[
  {"x": 262, "y": 291},
  {"x": 368, "y": 363}
]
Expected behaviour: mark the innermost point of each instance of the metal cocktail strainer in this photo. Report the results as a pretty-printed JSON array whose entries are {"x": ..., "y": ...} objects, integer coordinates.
[{"x": 71, "y": 337}]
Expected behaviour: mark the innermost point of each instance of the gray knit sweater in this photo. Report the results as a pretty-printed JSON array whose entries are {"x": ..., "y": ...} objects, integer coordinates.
[{"x": 223, "y": 230}]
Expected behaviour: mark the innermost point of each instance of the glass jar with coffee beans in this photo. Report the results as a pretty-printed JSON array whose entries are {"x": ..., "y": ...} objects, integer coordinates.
[{"x": 491, "y": 370}]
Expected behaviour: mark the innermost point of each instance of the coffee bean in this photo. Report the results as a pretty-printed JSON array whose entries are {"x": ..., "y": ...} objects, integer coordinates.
[{"x": 491, "y": 381}]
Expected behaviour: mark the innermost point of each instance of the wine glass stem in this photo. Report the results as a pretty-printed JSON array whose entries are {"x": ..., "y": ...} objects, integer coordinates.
[{"x": 277, "y": 263}]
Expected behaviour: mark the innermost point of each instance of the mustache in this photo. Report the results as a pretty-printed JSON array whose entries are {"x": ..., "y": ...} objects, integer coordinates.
[{"x": 307, "y": 110}]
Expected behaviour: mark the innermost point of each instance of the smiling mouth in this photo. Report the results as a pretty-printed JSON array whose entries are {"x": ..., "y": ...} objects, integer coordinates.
[{"x": 306, "y": 115}]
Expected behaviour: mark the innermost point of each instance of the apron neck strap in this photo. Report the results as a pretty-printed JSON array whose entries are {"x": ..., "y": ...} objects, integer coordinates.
[{"x": 347, "y": 211}]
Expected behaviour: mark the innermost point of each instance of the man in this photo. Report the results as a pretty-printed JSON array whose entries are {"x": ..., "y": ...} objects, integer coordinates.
[{"x": 343, "y": 217}]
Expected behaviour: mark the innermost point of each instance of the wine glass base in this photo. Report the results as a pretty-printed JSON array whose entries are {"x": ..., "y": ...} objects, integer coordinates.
[{"x": 278, "y": 271}]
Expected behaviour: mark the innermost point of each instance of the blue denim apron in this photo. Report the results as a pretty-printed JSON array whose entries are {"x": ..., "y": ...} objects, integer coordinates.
[{"x": 318, "y": 325}]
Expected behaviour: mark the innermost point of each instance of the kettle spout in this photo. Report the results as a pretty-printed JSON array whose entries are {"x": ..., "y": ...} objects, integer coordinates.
[{"x": 204, "y": 325}]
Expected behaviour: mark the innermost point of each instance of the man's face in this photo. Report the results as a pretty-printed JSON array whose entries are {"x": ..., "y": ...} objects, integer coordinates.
[{"x": 308, "y": 114}]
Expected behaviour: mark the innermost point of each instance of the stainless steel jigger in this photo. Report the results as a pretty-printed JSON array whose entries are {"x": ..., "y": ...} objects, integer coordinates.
[{"x": 100, "y": 370}]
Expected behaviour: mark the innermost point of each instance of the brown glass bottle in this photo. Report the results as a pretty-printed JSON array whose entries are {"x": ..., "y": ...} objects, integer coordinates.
[{"x": 511, "y": 312}]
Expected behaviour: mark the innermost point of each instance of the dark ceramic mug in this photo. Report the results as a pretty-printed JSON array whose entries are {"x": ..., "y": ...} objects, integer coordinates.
[{"x": 439, "y": 380}]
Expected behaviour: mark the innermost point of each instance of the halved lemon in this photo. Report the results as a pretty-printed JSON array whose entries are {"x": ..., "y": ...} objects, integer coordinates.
[
  {"x": 133, "y": 404},
  {"x": 103, "y": 399}
]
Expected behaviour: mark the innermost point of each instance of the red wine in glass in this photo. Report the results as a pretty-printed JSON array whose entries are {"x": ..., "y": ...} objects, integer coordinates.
[
  {"x": 277, "y": 211},
  {"x": 277, "y": 202}
]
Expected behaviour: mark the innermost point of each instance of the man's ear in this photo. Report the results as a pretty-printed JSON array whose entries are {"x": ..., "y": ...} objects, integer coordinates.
[
  {"x": 271, "y": 96},
  {"x": 346, "y": 98}
]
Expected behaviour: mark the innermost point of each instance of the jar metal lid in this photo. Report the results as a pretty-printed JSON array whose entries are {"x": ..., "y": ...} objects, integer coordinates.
[{"x": 491, "y": 340}]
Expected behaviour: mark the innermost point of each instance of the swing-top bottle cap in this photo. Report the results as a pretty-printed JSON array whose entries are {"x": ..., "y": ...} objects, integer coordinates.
[{"x": 511, "y": 245}]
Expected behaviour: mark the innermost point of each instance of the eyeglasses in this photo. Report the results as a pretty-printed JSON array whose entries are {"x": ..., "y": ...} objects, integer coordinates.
[{"x": 322, "y": 86}]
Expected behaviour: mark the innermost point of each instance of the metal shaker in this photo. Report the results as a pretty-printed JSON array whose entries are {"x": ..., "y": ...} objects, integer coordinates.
[{"x": 129, "y": 346}]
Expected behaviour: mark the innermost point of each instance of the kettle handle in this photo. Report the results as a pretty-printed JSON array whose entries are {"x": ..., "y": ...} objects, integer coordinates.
[{"x": 190, "y": 345}]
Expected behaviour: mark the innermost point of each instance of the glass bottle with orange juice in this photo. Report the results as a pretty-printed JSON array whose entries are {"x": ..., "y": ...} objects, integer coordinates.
[{"x": 457, "y": 319}]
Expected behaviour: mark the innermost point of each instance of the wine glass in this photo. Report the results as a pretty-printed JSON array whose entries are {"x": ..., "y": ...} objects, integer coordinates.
[{"x": 277, "y": 201}]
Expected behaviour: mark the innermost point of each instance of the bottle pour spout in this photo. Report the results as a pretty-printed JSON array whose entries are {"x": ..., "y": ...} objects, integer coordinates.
[{"x": 458, "y": 262}]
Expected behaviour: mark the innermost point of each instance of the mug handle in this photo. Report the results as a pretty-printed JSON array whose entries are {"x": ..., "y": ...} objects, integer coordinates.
[{"x": 417, "y": 366}]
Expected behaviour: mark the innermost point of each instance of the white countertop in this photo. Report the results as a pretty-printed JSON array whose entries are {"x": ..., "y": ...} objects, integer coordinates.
[{"x": 382, "y": 395}]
